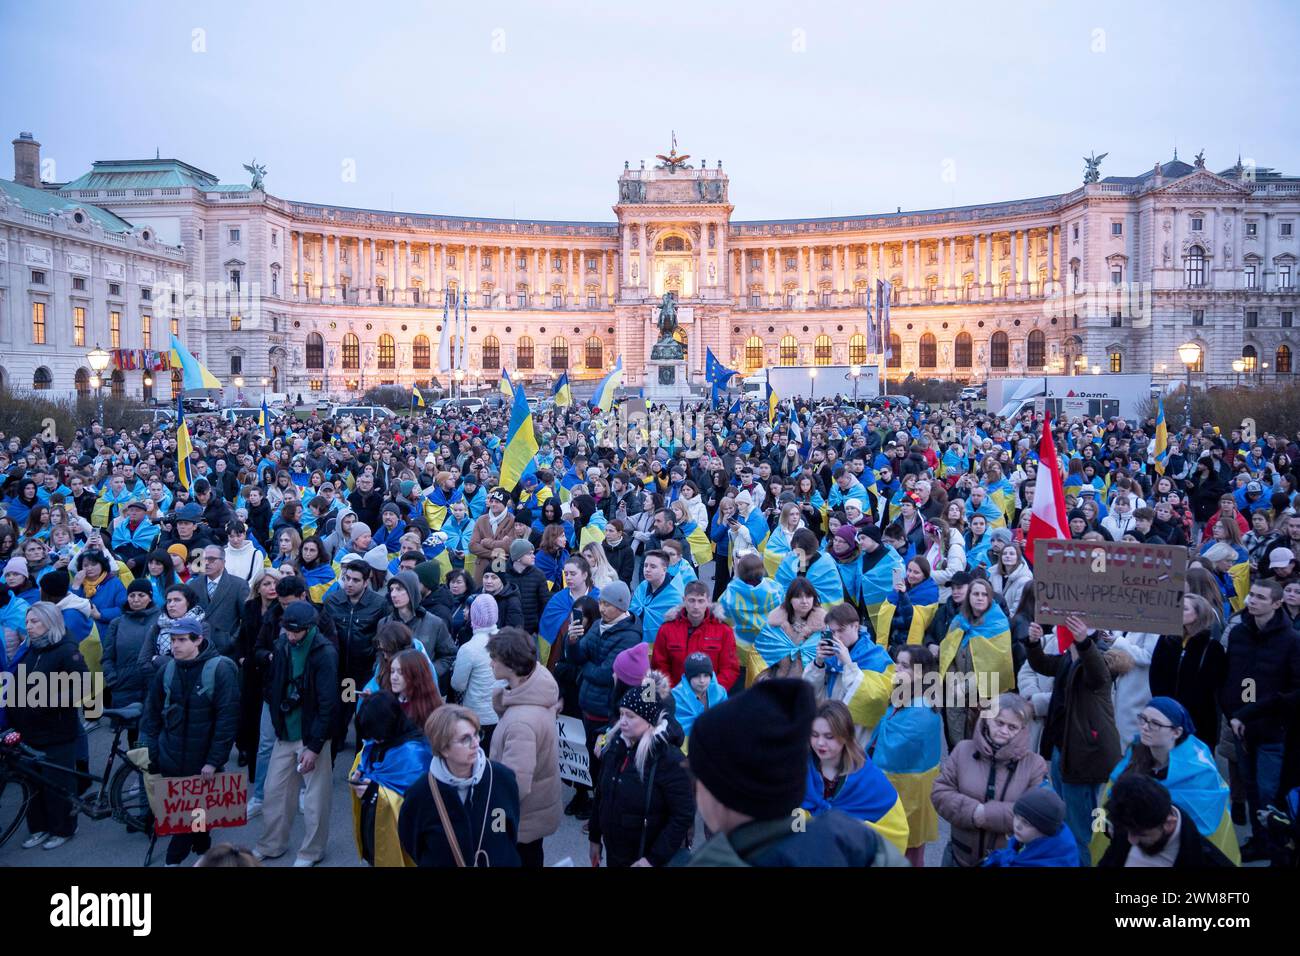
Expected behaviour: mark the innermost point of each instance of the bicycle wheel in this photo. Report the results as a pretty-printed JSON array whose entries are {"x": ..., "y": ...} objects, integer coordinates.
[
  {"x": 15, "y": 794},
  {"x": 129, "y": 799}
]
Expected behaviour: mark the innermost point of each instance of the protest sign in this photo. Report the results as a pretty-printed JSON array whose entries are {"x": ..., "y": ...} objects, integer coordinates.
[
  {"x": 574, "y": 764},
  {"x": 1114, "y": 585},
  {"x": 195, "y": 805}
]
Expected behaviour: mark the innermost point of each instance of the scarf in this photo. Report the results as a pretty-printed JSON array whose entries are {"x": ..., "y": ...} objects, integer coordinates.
[
  {"x": 440, "y": 772},
  {"x": 495, "y": 520},
  {"x": 89, "y": 587}
]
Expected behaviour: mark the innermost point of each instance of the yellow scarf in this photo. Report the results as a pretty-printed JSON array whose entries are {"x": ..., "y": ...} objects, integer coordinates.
[{"x": 89, "y": 587}]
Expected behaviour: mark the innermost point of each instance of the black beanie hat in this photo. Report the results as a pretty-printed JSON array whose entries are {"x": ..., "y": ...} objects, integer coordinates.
[
  {"x": 751, "y": 751},
  {"x": 1042, "y": 809},
  {"x": 140, "y": 586},
  {"x": 54, "y": 587},
  {"x": 697, "y": 665}
]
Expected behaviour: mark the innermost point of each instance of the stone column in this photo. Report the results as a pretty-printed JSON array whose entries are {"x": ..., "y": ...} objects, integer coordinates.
[
  {"x": 539, "y": 285},
  {"x": 645, "y": 274},
  {"x": 1014, "y": 286},
  {"x": 988, "y": 264},
  {"x": 780, "y": 276},
  {"x": 338, "y": 241},
  {"x": 723, "y": 257},
  {"x": 1027, "y": 278},
  {"x": 767, "y": 285},
  {"x": 625, "y": 246},
  {"x": 297, "y": 256}
]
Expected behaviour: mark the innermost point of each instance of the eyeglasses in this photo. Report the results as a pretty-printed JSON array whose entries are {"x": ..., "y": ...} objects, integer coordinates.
[{"x": 1145, "y": 721}]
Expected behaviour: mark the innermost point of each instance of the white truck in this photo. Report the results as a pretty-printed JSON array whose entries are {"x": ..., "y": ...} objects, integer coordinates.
[
  {"x": 1071, "y": 396},
  {"x": 790, "y": 381}
]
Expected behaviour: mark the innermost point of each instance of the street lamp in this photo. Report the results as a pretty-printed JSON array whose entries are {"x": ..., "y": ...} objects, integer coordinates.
[
  {"x": 1189, "y": 354},
  {"x": 98, "y": 359},
  {"x": 1238, "y": 366},
  {"x": 855, "y": 371},
  {"x": 812, "y": 376}
]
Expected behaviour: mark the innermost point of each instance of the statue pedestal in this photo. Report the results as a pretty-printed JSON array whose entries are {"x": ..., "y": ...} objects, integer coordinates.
[{"x": 666, "y": 381}]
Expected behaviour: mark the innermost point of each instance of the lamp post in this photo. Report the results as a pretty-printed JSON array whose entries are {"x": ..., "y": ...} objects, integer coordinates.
[
  {"x": 812, "y": 380},
  {"x": 1238, "y": 366},
  {"x": 98, "y": 359},
  {"x": 1189, "y": 353},
  {"x": 239, "y": 389},
  {"x": 148, "y": 387},
  {"x": 856, "y": 372}
]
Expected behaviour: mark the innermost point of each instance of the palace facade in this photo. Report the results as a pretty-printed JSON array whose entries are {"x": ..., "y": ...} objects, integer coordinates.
[{"x": 1112, "y": 275}]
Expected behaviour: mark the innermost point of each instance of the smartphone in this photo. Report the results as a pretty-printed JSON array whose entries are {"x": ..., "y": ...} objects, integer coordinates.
[
  {"x": 577, "y": 615},
  {"x": 898, "y": 576},
  {"x": 827, "y": 642}
]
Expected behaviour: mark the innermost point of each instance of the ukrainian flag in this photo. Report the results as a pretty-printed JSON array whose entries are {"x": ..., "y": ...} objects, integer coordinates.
[
  {"x": 699, "y": 543},
  {"x": 877, "y": 584},
  {"x": 1162, "y": 438},
  {"x": 773, "y": 400},
  {"x": 521, "y": 443},
  {"x": 746, "y": 607},
  {"x": 507, "y": 389},
  {"x": 193, "y": 374},
  {"x": 604, "y": 397},
  {"x": 924, "y": 599},
  {"x": 906, "y": 747},
  {"x": 823, "y": 575},
  {"x": 184, "y": 447},
  {"x": 1195, "y": 784},
  {"x": 319, "y": 580},
  {"x": 990, "y": 650},
  {"x": 1239, "y": 574},
  {"x": 1003, "y": 494},
  {"x": 265, "y": 420},
  {"x": 417, "y": 399},
  {"x": 562, "y": 394},
  {"x": 869, "y": 697},
  {"x": 866, "y": 795}
]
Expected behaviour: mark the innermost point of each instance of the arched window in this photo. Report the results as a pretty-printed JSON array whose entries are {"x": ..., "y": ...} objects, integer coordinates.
[
  {"x": 595, "y": 357},
  {"x": 753, "y": 352},
  {"x": 1117, "y": 362},
  {"x": 177, "y": 380},
  {"x": 929, "y": 352},
  {"x": 117, "y": 383},
  {"x": 42, "y": 379},
  {"x": 524, "y": 353},
  {"x": 1282, "y": 361},
  {"x": 491, "y": 352},
  {"x": 822, "y": 350},
  {"x": 420, "y": 352},
  {"x": 315, "y": 350},
  {"x": 1194, "y": 266},
  {"x": 896, "y": 352},
  {"x": 961, "y": 351},
  {"x": 789, "y": 350},
  {"x": 82, "y": 382},
  {"x": 998, "y": 350},
  {"x": 1199, "y": 364},
  {"x": 559, "y": 354},
  {"x": 1037, "y": 351},
  {"x": 1250, "y": 359},
  {"x": 351, "y": 352},
  {"x": 387, "y": 352},
  {"x": 858, "y": 349}
]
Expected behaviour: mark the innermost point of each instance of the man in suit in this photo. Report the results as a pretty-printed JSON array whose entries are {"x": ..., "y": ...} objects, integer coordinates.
[{"x": 222, "y": 598}]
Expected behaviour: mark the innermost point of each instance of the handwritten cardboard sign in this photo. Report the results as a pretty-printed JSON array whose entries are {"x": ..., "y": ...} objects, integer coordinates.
[
  {"x": 1113, "y": 585},
  {"x": 195, "y": 805},
  {"x": 574, "y": 764}
]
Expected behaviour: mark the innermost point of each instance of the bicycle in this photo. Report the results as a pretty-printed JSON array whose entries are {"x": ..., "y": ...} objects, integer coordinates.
[{"x": 122, "y": 794}]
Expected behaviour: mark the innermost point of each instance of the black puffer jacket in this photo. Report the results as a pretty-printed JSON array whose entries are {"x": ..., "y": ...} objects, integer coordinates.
[
  {"x": 622, "y": 559},
  {"x": 509, "y": 607},
  {"x": 1269, "y": 658},
  {"x": 533, "y": 594},
  {"x": 198, "y": 727},
  {"x": 319, "y": 693},
  {"x": 642, "y": 814},
  {"x": 595, "y": 652},
  {"x": 49, "y": 725},
  {"x": 124, "y": 674}
]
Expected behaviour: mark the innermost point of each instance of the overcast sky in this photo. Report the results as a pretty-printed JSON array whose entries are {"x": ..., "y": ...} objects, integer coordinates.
[{"x": 530, "y": 109}]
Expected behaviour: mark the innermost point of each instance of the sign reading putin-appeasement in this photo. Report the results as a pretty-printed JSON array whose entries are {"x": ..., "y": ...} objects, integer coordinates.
[{"x": 1119, "y": 586}]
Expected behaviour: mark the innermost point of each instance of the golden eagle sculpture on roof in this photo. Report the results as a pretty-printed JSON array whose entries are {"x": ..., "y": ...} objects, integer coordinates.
[{"x": 672, "y": 162}]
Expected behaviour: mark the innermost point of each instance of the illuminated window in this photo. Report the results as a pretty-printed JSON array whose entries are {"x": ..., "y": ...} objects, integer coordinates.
[
  {"x": 115, "y": 330},
  {"x": 491, "y": 352},
  {"x": 79, "y": 327},
  {"x": 146, "y": 331},
  {"x": 351, "y": 352},
  {"x": 236, "y": 322},
  {"x": 753, "y": 352},
  {"x": 1116, "y": 362},
  {"x": 420, "y": 352},
  {"x": 1282, "y": 360},
  {"x": 38, "y": 324},
  {"x": 858, "y": 349},
  {"x": 789, "y": 350},
  {"x": 1250, "y": 358},
  {"x": 822, "y": 350},
  {"x": 387, "y": 352},
  {"x": 177, "y": 381}
]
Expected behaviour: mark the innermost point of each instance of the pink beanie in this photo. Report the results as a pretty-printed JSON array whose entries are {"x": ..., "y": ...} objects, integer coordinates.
[
  {"x": 633, "y": 664},
  {"x": 483, "y": 612}
]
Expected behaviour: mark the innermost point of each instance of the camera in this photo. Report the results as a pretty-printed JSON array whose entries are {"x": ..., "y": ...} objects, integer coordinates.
[{"x": 292, "y": 697}]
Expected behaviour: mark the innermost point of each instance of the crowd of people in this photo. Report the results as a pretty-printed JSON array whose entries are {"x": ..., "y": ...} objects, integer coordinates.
[{"x": 745, "y": 610}]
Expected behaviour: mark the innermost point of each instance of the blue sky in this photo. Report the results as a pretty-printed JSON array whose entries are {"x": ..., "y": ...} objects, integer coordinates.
[{"x": 530, "y": 109}]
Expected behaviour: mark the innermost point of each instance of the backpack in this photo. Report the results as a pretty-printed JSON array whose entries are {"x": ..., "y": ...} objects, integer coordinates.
[{"x": 207, "y": 680}]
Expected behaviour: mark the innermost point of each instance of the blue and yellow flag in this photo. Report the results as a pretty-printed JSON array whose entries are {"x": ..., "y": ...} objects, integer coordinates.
[
  {"x": 877, "y": 584},
  {"x": 906, "y": 747},
  {"x": 521, "y": 443},
  {"x": 746, "y": 607},
  {"x": 184, "y": 448},
  {"x": 604, "y": 397},
  {"x": 773, "y": 400},
  {"x": 924, "y": 602},
  {"x": 265, "y": 420},
  {"x": 417, "y": 399},
  {"x": 823, "y": 575},
  {"x": 990, "y": 651},
  {"x": 866, "y": 795},
  {"x": 507, "y": 388},
  {"x": 193, "y": 374},
  {"x": 1162, "y": 438},
  {"x": 562, "y": 394}
]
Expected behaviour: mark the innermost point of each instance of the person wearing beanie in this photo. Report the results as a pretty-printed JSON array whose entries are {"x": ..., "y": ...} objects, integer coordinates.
[
  {"x": 644, "y": 811},
  {"x": 494, "y": 531},
  {"x": 531, "y": 584},
  {"x": 124, "y": 676},
  {"x": 697, "y": 692},
  {"x": 1040, "y": 836},
  {"x": 941, "y": 623},
  {"x": 472, "y": 676},
  {"x": 749, "y": 757}
]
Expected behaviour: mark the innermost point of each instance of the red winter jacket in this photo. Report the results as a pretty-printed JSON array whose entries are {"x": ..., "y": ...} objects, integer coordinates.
[{"x": 677, "y": 641}]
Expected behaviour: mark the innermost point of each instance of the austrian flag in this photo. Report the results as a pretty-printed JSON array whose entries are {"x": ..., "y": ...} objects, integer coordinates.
[{"x": 1047, "y": 514}]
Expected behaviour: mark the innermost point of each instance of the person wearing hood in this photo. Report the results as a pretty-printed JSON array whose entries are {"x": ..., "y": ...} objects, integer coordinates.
[
  {"x": 124, "y": 675},
  {"x": 472, "y": 676},
  {"x": 526, "y": 739},
  {"x": 53, "y": 727},
  {"x": 190, "y": 717},
  {"x": 259, "y": 513},
  {"x": 394, "y": 756},
  {"x": 697, "y": 691},
  {"x": 981, "y": 779},
  {"x": 749, "y": 758},
  {"x": 339, "y": 541},
  {"x": 429, "y": 629},
  {"x": 1040, "y": 837},
  {"x": 55, "y": 588},
  {"x": 644, "y": 809},
  {"x": 478, "y": 796},
  {"x": 506, "y": 594}
]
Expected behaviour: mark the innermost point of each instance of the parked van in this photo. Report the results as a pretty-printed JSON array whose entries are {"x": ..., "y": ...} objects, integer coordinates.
[{"x": 369, "y": 412}]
